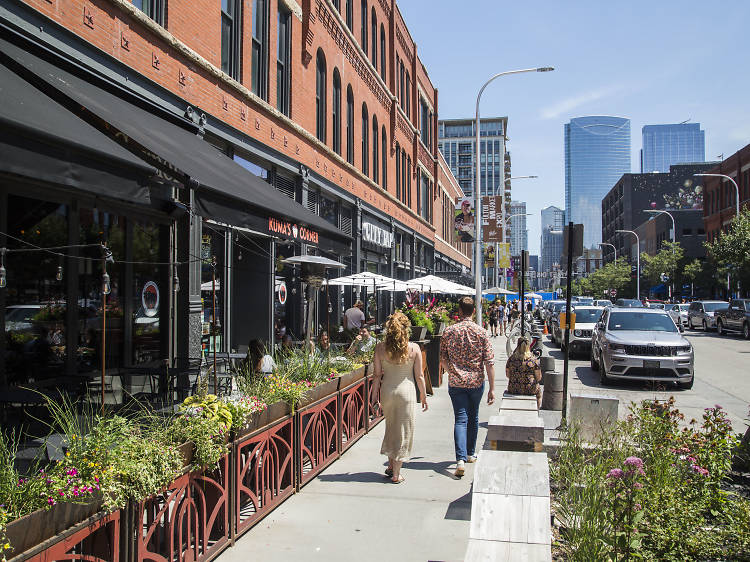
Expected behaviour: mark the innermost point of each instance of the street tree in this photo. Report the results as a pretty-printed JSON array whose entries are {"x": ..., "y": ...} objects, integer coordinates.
[
  {"x": 731, "y": 250},
  {"x": 667, "y": 261},
  {"x": 614, "y": 275}
]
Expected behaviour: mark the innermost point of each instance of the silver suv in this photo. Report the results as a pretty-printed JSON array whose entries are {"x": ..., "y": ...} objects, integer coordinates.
[
  {"x": 641, "y": 344},
  {"x": 701, "y": 313},
  {"x": 580, "y": 336}
]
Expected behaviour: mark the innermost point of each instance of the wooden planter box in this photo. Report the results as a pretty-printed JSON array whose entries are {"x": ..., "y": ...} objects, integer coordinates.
[
  {"x": 35, "y": 528},
  {"x": 318, "y": 392},
  {"x": 347, "y": 379},
  {"x": 418, "y": 333},
  {"x": 273, "y": 413}
]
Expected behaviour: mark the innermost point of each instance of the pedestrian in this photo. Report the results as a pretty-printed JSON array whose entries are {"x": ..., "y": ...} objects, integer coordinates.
[
  {"x": 523, "y": 371},
  {"x": 501, "y": 316},
  {"x": 363, "y": 343},
  {"x": 466, "y": 354},
  {"x": 493, "y": 315},
  {"x": 397, "y": 366}
]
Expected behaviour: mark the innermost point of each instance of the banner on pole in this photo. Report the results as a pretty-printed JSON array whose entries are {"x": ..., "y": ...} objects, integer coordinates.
[
  {"x": 503, "y": 255},
  {"x": 489, "y": 255},
  {"x": 492, "y": 218}
]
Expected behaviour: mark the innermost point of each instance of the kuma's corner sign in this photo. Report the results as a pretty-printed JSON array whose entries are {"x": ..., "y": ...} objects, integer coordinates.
[
  {"x": 292, "y": 230},
  {"x": 150, "y": 299}
]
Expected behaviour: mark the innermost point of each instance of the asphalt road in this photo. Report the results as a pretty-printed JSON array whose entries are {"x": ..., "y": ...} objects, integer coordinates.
[{"x": 722, "y": 376}]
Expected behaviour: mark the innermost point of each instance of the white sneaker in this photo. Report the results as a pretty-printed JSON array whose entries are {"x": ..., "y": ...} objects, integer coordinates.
[
  {"x": 459, "y": 469},
  {"x": 471, "y": 458}
]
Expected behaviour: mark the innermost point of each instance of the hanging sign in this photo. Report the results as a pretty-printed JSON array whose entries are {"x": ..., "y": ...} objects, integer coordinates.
[
  {"x": 374, "y": 234},
  {"x": 492, "y": 230},
  {"x": 503, "y": 255},
  {"x": 282, "y": 292},
  {"x": 150, "y": 299}
]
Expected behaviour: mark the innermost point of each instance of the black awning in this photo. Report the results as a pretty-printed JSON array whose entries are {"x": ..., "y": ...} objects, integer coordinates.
[
  {"x": 42, "y": 140},
  {"x": 226, "y": 189}
]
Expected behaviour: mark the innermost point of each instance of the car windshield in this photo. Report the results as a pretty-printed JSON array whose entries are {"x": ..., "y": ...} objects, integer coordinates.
[
  {"x": 629, "y": 302},
  {"x": 584, "y": 300},
  {"x": 558, "y": 306},
  {"x": 587, "y": 315},
  {"x": 714, "y": 306},
  {"x": 20, "y": 314},
  {"x": 641, "y": 321},
  {"x": 656, "y": 305},
  {"x": 684, "y": 307}
]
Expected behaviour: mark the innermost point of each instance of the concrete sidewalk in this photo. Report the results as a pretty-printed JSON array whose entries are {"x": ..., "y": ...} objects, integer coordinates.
[{"x": 353, "y": 512}]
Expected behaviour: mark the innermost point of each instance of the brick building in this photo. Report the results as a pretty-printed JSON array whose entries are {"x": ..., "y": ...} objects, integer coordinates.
[
  {"x": 720, "y": 199},
  {"x": 206, "y": 141}
]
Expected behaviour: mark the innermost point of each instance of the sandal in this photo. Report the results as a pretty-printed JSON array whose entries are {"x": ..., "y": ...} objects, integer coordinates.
[
  {"x": 389, "y": 472},
  {"x": 400, "y": 479}
]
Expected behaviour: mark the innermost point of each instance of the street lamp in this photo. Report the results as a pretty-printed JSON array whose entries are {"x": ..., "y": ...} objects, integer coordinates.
[
  {"x": 637, "y": 262},
  {"x": 671, "y": 216},
  {"x": 614, "y": 248},
  {"x": 736, "y": 187},
  {"x": 478, "y": 195}
]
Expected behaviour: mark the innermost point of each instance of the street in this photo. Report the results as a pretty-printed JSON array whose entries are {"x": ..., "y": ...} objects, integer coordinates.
[{"x": 722, "y": 376}]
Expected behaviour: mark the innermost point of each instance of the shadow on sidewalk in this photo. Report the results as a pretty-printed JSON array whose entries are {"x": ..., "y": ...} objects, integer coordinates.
[
  {"x": 439, "y": 467},
  {"x": 354, "y": 477},
  {"x": 460, "y": 509}
]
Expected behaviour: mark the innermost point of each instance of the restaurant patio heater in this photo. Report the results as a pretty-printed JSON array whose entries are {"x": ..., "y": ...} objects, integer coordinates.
[{"x": 313, "y": 274}]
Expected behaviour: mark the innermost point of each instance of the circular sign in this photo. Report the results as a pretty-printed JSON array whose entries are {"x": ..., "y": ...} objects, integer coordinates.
[
  {"x": 613, "y": 292},
  {"x": 282, "y": 292},
  {"x": 150, "y": 299}
]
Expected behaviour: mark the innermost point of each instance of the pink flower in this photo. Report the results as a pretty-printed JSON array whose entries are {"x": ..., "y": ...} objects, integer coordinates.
[
  {"x": 635, "y": 462},
  {"x": 615, "y": 473},
  {"x": 637, "y": 486}
]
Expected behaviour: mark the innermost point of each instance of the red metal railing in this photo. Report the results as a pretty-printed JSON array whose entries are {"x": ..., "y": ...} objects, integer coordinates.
[
  {"x": 353, "y": 409},
  {"x": 318, "y": 433},
  {"x": 97, "y": 541},
  {"x": 374, "y": 411}
]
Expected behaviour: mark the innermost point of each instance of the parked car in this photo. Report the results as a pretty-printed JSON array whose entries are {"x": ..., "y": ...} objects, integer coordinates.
[
  {"x": 20, "y": 317},
  {"x": 580, "y": 338},
  {"x": 641, "y": 344},
  {"x": 701, "y": 313},
  {"x": 735, "y": 318},
  {"x": 656, "y": 304},
  {"x": 602, "y": 302},
  {"x": 553, "y": 310},
  {"x": 629, "y": 303},
  {"x": 679, "y": 313}
]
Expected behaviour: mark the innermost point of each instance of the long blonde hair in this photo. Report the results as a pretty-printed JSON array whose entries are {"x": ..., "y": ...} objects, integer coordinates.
[
  {"x": 522, "y": 350},
  {"x": 397, "y": 332}
]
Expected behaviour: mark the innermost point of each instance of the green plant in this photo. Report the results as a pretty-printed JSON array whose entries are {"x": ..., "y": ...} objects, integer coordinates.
[
  {"x": 242, "y": 408},
  {"x": 209, "y": 406},
  {"x": 207, "y": 435}
]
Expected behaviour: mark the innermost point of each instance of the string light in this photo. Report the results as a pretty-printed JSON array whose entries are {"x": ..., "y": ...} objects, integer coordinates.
[
  {"x": 106, "y": 286},
  {"x": 176, "y": 281},
  {"x": 3, "y": 282},
  {"x": 59, "y": 275}
]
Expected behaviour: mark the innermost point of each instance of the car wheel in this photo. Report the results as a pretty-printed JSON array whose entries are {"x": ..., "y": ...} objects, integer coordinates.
[
  {"x": 705, "y": 328},
  {"x": 720, "y": 327},
  {"x": 686, "y": 385},
  {"x": 603, "y": 378},
  {"x": 746, "y": 330},
  {"x": 594, "y": 362},
  {"x": 690, "y": 324}
]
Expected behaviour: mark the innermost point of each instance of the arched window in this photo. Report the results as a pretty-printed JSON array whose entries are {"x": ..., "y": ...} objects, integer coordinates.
[
  {"x": 349, "y": 14},
  {"x": 398, "y": 172},
  {"x": 349, "y": 125},
  {"x": 336, "y": 111},
  {"x": 363, "y": 39},
  {"x": 375, "y": 160},
  {"x": 374, "y": 37},
  {"x": 384, "y": 157},
  {"x": 401, "y": 83},
  {"x": 320, "y": 97},
  {"x": 365, "y": 141},
  {"x": 382, "y": 52},
  {"x": 407, "y": 199}
]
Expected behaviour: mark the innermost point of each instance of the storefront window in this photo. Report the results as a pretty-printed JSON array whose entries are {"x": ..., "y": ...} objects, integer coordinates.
[
  {"x": 150, "y": 290},
  {"x": 329, "y": 211},
  {"x": 213, "y": 245}
]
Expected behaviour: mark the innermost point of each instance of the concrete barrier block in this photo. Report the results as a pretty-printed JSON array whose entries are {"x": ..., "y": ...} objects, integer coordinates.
[{"x": 590, "y": 413}]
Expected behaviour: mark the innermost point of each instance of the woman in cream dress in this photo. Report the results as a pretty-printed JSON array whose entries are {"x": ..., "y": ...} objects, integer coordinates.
[{"x": 398, "y": 364}]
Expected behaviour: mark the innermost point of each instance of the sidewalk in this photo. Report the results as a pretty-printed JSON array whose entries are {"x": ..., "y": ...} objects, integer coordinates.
[{"x": 352, "y": 512}]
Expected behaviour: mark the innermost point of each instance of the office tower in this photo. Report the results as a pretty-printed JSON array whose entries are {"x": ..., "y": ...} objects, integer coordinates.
[
  {"x": 597, "y": 154},
  {"x": 553, "y": 218},
  {"x": 519, "y": 235},
  {"x": 456, "y": 141},
  {"x": 664, "y": 145}
]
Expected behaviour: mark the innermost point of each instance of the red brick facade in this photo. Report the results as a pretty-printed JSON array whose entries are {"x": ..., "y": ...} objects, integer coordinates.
[
  {"x": 720, "y": 196},
  {"x": 184, "y": 57}
]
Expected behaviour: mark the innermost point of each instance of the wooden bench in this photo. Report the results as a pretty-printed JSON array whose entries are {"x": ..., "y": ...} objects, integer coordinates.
[
  {"x": 519, "y": 404},
  {"x": 510, "y": 508},
  {"x": 516, "y": 430}
]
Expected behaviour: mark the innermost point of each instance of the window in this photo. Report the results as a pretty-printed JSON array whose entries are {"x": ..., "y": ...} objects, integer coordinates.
[
  {"x": 329, "y": 211},
  {"x": 424, "y": 123},
  {"x": 320, "y": 96},
  {"x": 349, "y": 14},
  {"x": 374, "y": 38},
  {"x": 365, "y": 141},
  {"x": 231, "y": 23},
  {"x": 349, "y": 125},
  {"x": 260, "y": 47},
  {"x": 398, "y": 172},
  {"x": 408, "y": 181},
  {"x": 375, "y": 160},
  {"x": 401, "y": 77},
  {"x": 336, "y": 111},
  {"x": 283, "y": 40},
  {"x": 382, "y": 51},
  {"x": 408, "y": 96},
  {"x": 152, "y": 8},
  {"x": 384, "y": 157},
  {"x": 363, "y": 38},
  {"x": 337, "y": 5}
]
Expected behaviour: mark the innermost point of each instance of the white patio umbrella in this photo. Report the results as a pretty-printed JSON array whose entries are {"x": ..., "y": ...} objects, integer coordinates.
[
  {"x": 434, "y": 284},
  {"x": 363, "y": 279},
  {"x": 498, "y": 291}
]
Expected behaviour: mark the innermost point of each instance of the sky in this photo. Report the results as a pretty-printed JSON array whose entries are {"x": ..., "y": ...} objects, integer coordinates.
[{"x": 657, "y": 61}]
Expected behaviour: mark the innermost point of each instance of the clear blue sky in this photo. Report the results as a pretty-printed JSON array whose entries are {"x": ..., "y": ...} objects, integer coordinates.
[{"x": 657, "y": 61}]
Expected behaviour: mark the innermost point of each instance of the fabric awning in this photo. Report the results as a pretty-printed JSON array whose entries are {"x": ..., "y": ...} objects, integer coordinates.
[
  {"x": 42, "y": 140},
  {"x": 226, "y": 191}
]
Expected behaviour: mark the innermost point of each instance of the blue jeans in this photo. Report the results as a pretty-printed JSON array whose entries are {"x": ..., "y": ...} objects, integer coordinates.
[{"x": 466, "y": 412}]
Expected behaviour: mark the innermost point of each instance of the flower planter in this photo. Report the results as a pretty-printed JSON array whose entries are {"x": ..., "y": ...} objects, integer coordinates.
[
  {"x": 418, "y": 333},
  {"x": 269, "y": 416},
  {"x": 432, "y": 355},
  {"x": 35, "y": 528},
  {"x": 440, "y": 329},
  {"x": 351, "y": 377},
  {"x": 318, "y": 392}
]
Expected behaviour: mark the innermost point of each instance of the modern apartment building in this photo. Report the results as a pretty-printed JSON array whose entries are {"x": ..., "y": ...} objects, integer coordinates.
[
  {"x": 553, "y": 221},
  {"x": 519, "y": 234},
  {"x": 597, "y": 154},
  {"x": 664, "y": 145}
]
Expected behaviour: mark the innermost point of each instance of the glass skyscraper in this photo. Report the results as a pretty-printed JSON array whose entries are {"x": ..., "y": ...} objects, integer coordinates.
[
  {"x": 664, "y": 145},
  {"x": 597, "y": 154},
  {"x": 553, "y": 219},
  {"x": 519, "y": 234}
]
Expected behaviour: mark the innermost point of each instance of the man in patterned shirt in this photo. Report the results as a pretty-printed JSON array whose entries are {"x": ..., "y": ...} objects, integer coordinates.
[{"x": 466, "y": 353}]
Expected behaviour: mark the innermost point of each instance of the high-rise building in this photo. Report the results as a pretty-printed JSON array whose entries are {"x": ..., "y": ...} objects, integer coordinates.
[
  {"x": 664, "y": 145},
  {"x": 553, "y": 219},
  {"x": 519, "y": 235},
  {"x": 597, "y": 154},
  {"x": 456, "y": 141}
]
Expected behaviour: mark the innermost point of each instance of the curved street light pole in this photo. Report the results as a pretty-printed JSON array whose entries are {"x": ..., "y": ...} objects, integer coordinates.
[
  {"x": 614, "y": 248},
  {"x": 674, "y": 236},
  {"x": 736, "y": 187},
  {"x": 478, "y": 195},
  {"x": 637, "y": 262}
]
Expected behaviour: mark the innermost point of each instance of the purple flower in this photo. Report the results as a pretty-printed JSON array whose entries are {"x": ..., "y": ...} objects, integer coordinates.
[
  {"x": 635, "y": 462},
  {"x": 637, "y": 486},
  {"x": 615, "y": 473}
]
